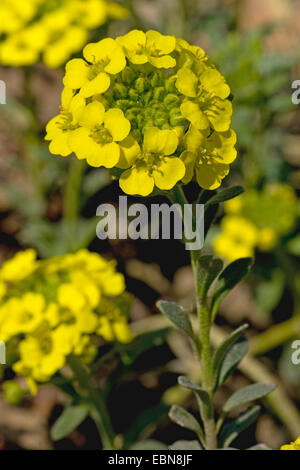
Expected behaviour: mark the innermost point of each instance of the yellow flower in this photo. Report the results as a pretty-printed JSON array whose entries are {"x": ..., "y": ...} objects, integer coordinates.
[
  {"x": 61, "y": 127},
  {"x": 97, "y": 140},
  {"x": 236, "y": 240},
  {"x": 153, "y": 165},
  {"x": 267, "y": 239},
  {"x": 19, "y": 267},
  {"x": 105, "y": 58},
  {"x": 208, "y": 156},
  {"x": 151, "y": 46},
  {"x": 292, "y": 446}
]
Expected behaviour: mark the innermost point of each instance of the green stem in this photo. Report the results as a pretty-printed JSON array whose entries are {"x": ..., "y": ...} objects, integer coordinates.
[
  {"x": 205, "y": 356},
  {"x": 72, "y": 198},
  {"x": 99, "y": 410}
]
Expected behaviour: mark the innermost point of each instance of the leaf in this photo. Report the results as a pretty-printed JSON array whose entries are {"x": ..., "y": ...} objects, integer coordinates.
[
  {"x": 208, "y": 269},
  {"x": 200, "y": 392},
  {"x": 242, "y": 422},
  {"x": 141, "y": 343},
  {"x": 210, "y": 215},
  {"x": 228, "y": 279},
  {"x": 186, "y": 445},
  {"x": 232, "y": 360},
  {"x": 177, "y": 315},
  {"x": 246, "y": 394},
  {"x": 224, "y": 349},
  {"x": 146, "y": 418},
  {"x": 69, "y": 420},
  {"x": 184, "y": 419},
  {"x": 149, "y": 444},
  {"x": 225, "y": 195}
]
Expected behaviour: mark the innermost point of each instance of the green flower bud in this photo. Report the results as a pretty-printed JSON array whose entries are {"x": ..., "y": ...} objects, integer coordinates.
[
  {"x": 156, "y": 79},
  {"x": 122, "y": 104},
  {"x": 170, "y": 85},
  {"x": 171, "y": 100},
  {"x": 176, "y": 118},
  {"x": 160, "y": 118},
  {"x": 141, "y": 85},
  {"x": 133, "y": 94},
  {"x": 128, "y": 75},
  {"x": 120, "y": 91},
  {"x": 13, "y": 394},
  {"x": 159, "y": 93},
  {"x": 147, "y": 97}
]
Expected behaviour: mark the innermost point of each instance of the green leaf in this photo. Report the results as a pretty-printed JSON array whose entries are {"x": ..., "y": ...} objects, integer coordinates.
[
  {"x": 242, "y": 422},
  {"x": 147, "y": 418},
  {"x": 200, "y": 392},
  {"x": 232, "y": 360},
  {"x": 186, "y": 445},
  {"x": 184, "y": 419},
  {"x": 141, "y": 343},
  {"x": 224, "y": 349},
  {"x": 225, "y": 195},
  {"x": 69, "y": 420},
  {"x": 246, "y": 394},
  {"x": 208, "y": 269},
  {"x": 210, "y": 215},
  {"x": 149, "y": 444},
  {"x": 177, "y": 315},
  {"x": 228, "y": 279}
]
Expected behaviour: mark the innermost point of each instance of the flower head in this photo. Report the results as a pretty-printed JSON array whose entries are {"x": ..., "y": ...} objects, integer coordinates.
[
  {"x": 292, "y": 446},
  {"x": 51, "y": 310},
  {"x": 168, "y": 105}
]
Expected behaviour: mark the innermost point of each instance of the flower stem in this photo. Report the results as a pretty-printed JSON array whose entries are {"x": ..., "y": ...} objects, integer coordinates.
[
  {"x": 99, "y": 410},
  {"x": 205, "y": 352}
]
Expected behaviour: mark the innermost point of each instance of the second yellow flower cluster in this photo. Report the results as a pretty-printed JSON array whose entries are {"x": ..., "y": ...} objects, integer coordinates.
[{"x": 50, "y": 308}]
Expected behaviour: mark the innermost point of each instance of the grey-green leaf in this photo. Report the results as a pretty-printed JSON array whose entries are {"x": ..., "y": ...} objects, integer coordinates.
[
  {"x": 247, "y": 394},
  {"x": 259, "y": 447},
  {"x": 69, "y": 420},
  {"x": 232, "y": 360},
  {"x": 228, "y": 279},
  {"x": 177, "y": 315},
  {"x": 200, "y": 392},
  {"x": 224, "y": 349},
  {"x": 242, "y": 422},
  {"x": 184, "y": 419},
  {"x": 225, "y": 195},
  {"x": 186, "y": 445},
  {"x": 208, "y": 268}
]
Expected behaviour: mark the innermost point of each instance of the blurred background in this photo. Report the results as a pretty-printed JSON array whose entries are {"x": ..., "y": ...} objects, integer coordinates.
[{"x": 255, "y": 44}]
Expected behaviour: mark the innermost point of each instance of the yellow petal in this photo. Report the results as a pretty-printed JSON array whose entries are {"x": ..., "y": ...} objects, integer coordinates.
[
  {"x": 189, "y": 160},
  {"x": 169, "y": 172},
  {"x": 95, "y": 52},
  {"x": 92, "y": 115},
  {"x": 60, "y": 145},
  {"x": 105, "y": 155},
  {"x": 210, "y": 175},
  {"x": 220, "y": 114},
  {"x": 81, "y": 143},
  {"x": 187, "y": 82},
  {"x": 117, "y": 62},
  {"x": 117, "y": 124},
  {"x": 76, "y": 73},
  {"x": 99, "y": 84},
  {"x": 137, "y": 181},
  {"x": 130, "y": 149},
  {"x": 157, "y": 41},
  {"x": 214, "y": 82},
  {"x": 193, "y": 113},
  {"x": 164, "y": 62},
  {"x": 161, "y": 142}
]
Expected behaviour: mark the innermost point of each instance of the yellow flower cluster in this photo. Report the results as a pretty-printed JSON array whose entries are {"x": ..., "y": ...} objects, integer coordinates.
[
  {"x": 149, "y": 105},
  {"x": 256, "y": 219},
  {"x": 50, "y": 308},
  {"x": 292, "y": 446},
  {"x": 49, "y": 29}
]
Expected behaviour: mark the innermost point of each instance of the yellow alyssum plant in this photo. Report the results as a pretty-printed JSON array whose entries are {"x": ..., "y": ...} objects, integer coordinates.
[
  {"x": 256, "y": 219},
  {"x": 49, "y": 310},
  {"x": 150, "y": 106},
  {"x": 50, "y": 30}
]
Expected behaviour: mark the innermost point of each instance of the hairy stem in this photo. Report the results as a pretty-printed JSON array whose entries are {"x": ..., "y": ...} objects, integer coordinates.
[{"x": 99, "y": 410}]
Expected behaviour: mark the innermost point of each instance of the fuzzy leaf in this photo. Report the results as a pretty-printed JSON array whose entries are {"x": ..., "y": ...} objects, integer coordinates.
[
  {"x": 177, "y": 315},
  {"x": 224, "y": 349},
  {"x": 149, "y": 444},
  {"x": 225, "y": 195},
  {"x": 242, "y": 422},
  {"x": 200, "y": 392},
  {"x": 183, "y": 418},
  {"x": 208, "y": 269},
  {"x": 186, "y": 445},
  {"x": 69, "y": 420},
  {"x": 232, "y": 360},
  {"x": 246, "y": 394}
]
